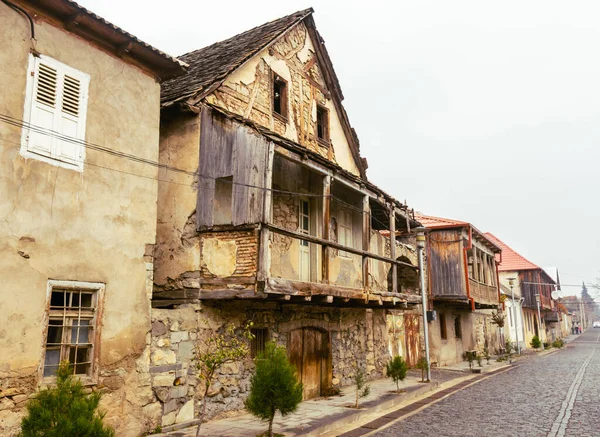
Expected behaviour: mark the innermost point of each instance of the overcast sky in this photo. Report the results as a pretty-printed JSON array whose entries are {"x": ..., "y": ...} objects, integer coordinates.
[{"x": 482, "y": 111}]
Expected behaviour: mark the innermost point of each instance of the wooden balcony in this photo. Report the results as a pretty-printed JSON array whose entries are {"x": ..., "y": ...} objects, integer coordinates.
[
  {"x": 483, "y": 294},
  {"x": 546, "y": 303}
]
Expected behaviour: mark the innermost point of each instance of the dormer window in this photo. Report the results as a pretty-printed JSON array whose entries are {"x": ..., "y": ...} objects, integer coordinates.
[
  {"x": 279, "y": 96},
  {"x": 322, "y": 124}
]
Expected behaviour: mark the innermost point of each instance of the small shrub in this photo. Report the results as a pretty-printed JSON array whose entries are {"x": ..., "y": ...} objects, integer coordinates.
[
  {"x": 273, "y": 386},
  {"x": 536, "y": 343},
  {"x": 558, "y": 343},
  {"x": 360, "y": 380},
  {"x": 547, "y": 345},
  {"x": 396, "y": 369},
  {"x": 422, "y": 364},
  {"x": 478, "y": 358},
  {"x": 486, "y": 355},
  {"x": 64, "y": 410}
]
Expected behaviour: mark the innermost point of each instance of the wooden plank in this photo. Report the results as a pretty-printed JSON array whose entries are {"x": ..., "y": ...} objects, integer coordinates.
[
  {"x": 295, "y": 346},
  {"x": 229, "y": 280},
  {"x": 228, "y": 293},
  {"x": 311, "y": 363}
]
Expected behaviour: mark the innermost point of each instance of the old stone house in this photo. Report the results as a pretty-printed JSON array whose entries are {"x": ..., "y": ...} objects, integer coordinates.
[
  {"x": 531, "y": 280},
  {"x": 463, "y": 289},
  {"x": 79, "y": 126},
  {"x": 270, "y": 219}
]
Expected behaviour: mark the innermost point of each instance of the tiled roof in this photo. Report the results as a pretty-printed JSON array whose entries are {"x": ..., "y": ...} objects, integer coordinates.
[
  {"x": 214, "y": 63},
  {"x": 438, "y": 222},
  {"x": 511, "y": 260}
]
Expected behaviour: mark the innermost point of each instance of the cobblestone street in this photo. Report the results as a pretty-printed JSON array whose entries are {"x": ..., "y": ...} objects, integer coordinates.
[{"x": 552, "y": 395}]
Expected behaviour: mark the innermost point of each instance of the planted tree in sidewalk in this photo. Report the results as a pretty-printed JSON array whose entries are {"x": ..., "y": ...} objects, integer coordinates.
[
  {"x": 422, "y": 364},
  {"x": 273, "y": 386},
  {"x": 216, "y": 349},
  {"x": 396, "y": 369},
  {"x": 536, "y": 343},
  {"x": 360, "y": 380},
  {"x": 64, "y": 410}
]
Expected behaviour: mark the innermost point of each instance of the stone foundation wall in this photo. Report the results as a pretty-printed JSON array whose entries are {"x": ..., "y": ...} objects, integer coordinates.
[{"x": 356, "y": 335}]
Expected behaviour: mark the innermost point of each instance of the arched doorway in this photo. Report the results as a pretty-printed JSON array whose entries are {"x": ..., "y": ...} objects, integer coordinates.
[{"x": 309, "y": 350}]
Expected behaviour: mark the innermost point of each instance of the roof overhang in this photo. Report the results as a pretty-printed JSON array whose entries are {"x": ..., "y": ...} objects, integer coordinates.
[{"x": 84, "y": 23}]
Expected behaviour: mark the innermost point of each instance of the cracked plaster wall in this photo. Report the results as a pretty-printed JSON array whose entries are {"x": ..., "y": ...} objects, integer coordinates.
[{"x": 92, "y": 226}]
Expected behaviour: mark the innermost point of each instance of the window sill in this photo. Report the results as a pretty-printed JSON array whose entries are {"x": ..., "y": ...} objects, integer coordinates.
[
  {"x": 27, "y": 154},
  {"x": 280, "y": 117}
]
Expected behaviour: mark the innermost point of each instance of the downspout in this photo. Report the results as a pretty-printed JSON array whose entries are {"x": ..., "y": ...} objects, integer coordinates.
[
  {"x": 466, "y": 266},
  {"x": 498, "y": 279}
]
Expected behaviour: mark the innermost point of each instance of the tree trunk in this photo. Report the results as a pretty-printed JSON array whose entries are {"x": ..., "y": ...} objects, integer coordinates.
[
  {"x": 204, "y": 401},
  {"x": 270, "y": 432}
]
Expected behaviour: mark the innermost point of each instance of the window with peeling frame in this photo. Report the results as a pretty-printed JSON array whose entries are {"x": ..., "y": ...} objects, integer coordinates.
[
  {"x": 279, "y": 96},
  {"x": 322, "y": 124},
  {"x": 71, "y": 328}
]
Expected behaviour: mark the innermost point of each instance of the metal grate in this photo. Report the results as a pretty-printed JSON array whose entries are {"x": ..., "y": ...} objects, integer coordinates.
[{"x": 259, "y": 339}]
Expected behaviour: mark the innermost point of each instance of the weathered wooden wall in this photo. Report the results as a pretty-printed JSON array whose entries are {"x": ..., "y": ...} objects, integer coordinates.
[
  {"x": 446, "y": 265},
  {"x": 230, "y": 149}
]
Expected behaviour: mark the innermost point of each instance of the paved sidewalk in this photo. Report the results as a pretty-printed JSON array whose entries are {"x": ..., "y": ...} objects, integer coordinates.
[{"x": 315, "y": 417}]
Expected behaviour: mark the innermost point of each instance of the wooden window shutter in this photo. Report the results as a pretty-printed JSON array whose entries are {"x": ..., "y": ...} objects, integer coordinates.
[{"x": 58, "y": 111}]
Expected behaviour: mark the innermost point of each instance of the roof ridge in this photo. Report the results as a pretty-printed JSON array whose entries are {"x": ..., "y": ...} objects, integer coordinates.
[{"x": 304, "y": 12}]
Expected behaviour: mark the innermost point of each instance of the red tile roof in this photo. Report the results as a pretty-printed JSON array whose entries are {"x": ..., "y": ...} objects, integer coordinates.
[
  {"x": 431, "y": 222},
  {"x": 511, "y": 260}
]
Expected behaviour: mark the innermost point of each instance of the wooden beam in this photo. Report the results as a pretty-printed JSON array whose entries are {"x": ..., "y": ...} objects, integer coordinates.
[
  {"x": 72, "y": 21},
  {"x": 229, "y": 280},
  {"x": 123, "y": 49},
  {"x": 326, "y": 231},
  {"x": 245, "y": 293},
  {"x": 366, "y": 233},
  {"x": 264, "y": 251},
  {"x": 393, "y": 247}
]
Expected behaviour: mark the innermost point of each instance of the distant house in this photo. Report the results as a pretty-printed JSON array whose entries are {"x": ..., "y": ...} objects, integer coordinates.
[
  {"x": 281, "y": 227},
  {"x": 463, "y": 289},
  {"x": 79, "y": 110},
  {"x": 531, "y": 281}
]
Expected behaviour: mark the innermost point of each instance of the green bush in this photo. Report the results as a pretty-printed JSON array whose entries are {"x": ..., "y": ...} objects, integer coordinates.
[
  {"x": 536, "y": 343},
  {"x": 64, "y": 411},
  {"x": 422, "y": 364},
  {"x": 558, "y": 343},
  {"x": 273, "y": 386},
  {"x": 396, "y": 369}
]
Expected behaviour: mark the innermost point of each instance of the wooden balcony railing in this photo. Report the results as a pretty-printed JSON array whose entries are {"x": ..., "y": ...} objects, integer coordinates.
[{"x": 483, "y": 294}]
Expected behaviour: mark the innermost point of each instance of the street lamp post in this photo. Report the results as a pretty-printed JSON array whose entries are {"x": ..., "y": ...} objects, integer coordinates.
[
  {"x": 511, "y": 282},
  {"x": 420, "y": 246},
  {"x": 537, "y": 301}
]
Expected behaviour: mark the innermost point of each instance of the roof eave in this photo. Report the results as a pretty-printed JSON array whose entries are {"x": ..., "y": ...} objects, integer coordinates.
[{"x": 84, "y": 23}]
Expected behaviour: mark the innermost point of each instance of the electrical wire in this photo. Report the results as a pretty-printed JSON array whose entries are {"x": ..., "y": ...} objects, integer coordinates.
[{"x": 24, "y": 12}]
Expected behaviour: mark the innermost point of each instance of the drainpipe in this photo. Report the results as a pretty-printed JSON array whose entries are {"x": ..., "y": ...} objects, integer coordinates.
[
  {"x": 466, "y": 265},
  {"x": 420, "y": 246}
]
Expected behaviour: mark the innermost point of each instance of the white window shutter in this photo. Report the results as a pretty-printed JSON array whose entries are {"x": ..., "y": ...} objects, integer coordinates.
[
  {"x": 44, "y": 108},
  {"x": 57, "y": 105},
  {"x": 72, "y": 118}
]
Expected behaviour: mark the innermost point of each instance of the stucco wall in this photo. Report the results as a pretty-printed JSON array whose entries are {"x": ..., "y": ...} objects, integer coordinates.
[
  {"x": 62, "y": 224},
  {"x": 247, "y": 92}
]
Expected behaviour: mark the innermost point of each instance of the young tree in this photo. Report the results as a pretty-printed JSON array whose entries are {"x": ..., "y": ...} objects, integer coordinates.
[
  {"x": 273, "y": 386},
  {"x": 360, "y": 380},
  {"x": 422, "y": 364},
  {"x": 214, "y": 350},
  {"x": 396, "y": 369},
  {"x": 64, "y": 410}
]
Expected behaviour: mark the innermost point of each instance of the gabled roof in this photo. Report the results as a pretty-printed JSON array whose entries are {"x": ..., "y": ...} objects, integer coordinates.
[
  {"x": 92, "y": 27},
  {"x": 214, "y": 63},
  {"x": 511, "y": 260},
  {"x": 431, "y": 222},
  {"x": 210, "y": 66}
]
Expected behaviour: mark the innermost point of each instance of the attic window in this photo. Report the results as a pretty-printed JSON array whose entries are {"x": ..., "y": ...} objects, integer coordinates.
[
  {"x": 279, "y": 96},
  {"x": 322, "y": 124}
]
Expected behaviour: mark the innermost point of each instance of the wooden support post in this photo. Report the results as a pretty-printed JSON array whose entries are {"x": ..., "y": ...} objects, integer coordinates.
[
  {"x": 326, "y": 231},
  {"x": 366, "y": 233},
  {"x": 393, "y": 247},
  {"x": 264, "y": 254},
  {"x": 475, "y": 266}
]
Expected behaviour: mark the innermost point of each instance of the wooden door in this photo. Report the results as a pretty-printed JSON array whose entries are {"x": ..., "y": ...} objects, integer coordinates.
[
  {"x": 411, "y": 330},
  {"x": 309, "y": 351}
]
